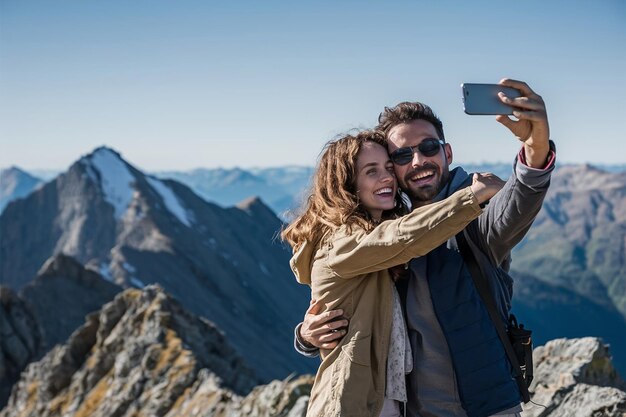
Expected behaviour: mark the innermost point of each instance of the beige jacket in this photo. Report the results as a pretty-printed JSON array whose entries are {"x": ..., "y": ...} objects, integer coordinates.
[{"x": 349, "y": 271}]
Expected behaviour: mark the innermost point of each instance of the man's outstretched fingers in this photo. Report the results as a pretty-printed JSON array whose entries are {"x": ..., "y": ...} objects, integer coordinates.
[
  {"x": 529, "y": 115},
  {"x": 334, "y": 325},
  {"x": 320, "y": 320},
  {"x": 315, "y": 326},
  {"x": 519, "y": 85},
  {"x": 331, "y": 326}
]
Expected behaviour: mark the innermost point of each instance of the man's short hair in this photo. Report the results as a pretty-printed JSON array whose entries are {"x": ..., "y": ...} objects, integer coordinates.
[{"x": 407, "y": 112}]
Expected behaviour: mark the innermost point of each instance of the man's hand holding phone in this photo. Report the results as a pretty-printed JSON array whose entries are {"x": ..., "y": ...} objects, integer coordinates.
[
  {"x": 532, "y": 127},
  {"x": 516, "y": 98}
]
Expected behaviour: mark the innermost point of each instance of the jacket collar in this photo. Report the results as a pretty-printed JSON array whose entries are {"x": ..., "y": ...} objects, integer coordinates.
[{"x": 459, "y": 178}]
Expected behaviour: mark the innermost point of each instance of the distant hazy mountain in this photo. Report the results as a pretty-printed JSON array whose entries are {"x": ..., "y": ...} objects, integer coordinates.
[
  {"x": 45, "y": 174},
  {"x": 615, "y": 168},
  {"x": 283, "y": 188},
  {"x": 279, "y": 187},
  {"x": 503, "y": 170},
  {"x": 500, "y": 169},
  {"x": 15, "y": 183},
  {"x": 222, "y": 263}
]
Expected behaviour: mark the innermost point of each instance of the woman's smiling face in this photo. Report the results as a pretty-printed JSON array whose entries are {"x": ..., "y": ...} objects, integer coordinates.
[{"x": 375, "y": 181}]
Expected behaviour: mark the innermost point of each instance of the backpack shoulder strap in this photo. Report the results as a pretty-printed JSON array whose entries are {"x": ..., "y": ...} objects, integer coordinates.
[{"x": 484, "y": 290}]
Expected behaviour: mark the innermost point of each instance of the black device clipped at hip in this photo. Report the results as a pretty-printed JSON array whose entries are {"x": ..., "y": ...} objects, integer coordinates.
[{"x": 521, "y": 339}]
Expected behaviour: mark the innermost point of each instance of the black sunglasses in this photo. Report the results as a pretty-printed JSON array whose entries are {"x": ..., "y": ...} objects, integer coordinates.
[{"x": 428, "y": 147}]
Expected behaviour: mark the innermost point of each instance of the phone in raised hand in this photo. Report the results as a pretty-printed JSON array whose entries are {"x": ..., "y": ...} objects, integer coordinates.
[{"x": 482, "y": 99}]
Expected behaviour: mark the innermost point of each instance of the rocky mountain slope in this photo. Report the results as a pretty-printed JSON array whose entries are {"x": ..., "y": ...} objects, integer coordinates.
[
  {"x": 578, "y": 239},
  {"x": 45, "y": 313},
  {"x": 21, "y": 340},
  {"x": 144, "y": 355},
  {"x": 222, "y": 263},
  {"x": 62, "y": 294}
]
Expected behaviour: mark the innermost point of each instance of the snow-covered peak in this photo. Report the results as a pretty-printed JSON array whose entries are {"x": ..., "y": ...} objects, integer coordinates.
[
  {"x": 114, "y": 177},
  {"x": 172, "y": 202}
]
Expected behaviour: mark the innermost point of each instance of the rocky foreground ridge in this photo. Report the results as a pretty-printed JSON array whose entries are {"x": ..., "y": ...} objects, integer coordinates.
[
  {"x": 575, "y": 377},
  {"x": 21, "y": 340},
  {"x": 38, "y": 317},
  {"x": 142, "y": 354}
]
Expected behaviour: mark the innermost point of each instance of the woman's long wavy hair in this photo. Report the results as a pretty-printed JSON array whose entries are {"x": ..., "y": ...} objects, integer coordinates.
[{"x": 333, "y": 199}]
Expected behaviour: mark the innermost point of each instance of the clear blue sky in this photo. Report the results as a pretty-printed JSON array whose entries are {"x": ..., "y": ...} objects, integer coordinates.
[{"x": 184, "y": 84}]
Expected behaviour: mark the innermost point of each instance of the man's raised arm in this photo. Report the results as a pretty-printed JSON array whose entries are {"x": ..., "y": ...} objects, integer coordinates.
[{"x": 511, "y": 212}]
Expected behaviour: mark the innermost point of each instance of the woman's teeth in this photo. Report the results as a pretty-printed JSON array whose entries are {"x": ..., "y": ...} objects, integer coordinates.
[{"x": 383, "y": 191}]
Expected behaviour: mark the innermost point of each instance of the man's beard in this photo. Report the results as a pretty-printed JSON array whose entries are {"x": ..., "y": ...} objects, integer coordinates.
[{"x": 427, "y": 193}]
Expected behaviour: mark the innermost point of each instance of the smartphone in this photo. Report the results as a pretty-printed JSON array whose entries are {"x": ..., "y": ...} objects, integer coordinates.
[{"x": 483, "y": 98}]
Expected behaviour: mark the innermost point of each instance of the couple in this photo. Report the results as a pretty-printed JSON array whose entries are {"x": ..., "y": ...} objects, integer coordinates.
[{"x": 355, "y": 227}]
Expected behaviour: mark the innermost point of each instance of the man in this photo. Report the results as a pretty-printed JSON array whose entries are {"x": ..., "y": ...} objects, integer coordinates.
[{"x": 460, "y": 366}]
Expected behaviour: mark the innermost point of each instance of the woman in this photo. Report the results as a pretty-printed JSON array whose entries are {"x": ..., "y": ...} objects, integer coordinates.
[{"x": 349, "y": 234}]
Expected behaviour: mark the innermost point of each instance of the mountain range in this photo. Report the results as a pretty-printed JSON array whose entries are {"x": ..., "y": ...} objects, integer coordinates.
[
  {"x": 280, "y": 188},
  {"x": 225, "y": 264},
  {"x": 570, "y": 269}
]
